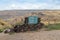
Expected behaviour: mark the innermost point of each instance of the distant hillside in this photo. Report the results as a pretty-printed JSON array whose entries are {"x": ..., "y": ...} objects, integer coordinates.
[
  {"x": 14, "y": 13},
  {"x": 47, "y": 16}
]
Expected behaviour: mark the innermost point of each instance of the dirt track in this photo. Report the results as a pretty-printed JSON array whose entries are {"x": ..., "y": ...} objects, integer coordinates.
[{"x": 42, "y": 35}]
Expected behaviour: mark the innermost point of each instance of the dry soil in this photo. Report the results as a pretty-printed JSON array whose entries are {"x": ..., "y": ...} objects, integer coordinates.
[{"x": 40, "y": 35}]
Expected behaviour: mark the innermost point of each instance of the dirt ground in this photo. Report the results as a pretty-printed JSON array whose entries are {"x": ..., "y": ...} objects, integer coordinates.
[{"x": 40, "y": 35}]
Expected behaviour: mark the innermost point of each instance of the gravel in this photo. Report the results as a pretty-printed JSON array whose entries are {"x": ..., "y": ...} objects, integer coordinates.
[{"x": 40, "y": 35}]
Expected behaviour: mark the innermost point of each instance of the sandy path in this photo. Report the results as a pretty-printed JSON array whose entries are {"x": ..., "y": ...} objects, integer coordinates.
[{"x": 42, "y": 35}]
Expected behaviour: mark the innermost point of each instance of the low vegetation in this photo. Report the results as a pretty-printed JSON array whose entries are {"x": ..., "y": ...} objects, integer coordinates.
[
  {"x": 18, "y": 21},
  {"x": 53, "y": 27},
  {"x": 4, "y": 25},
  {"x": 9, "y": 24}
]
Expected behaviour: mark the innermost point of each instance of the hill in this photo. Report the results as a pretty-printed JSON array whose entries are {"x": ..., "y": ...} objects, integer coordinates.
[
  {"x": 13, "y": 13},
  {"x": 46, "y": 15}
]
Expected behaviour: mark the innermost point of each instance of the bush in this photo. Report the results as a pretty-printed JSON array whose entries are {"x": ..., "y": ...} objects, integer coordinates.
[
  {"x": 4, "y": 25},
  {"x": 1, "y": 30},
  {"x": 53, "y": 27}
]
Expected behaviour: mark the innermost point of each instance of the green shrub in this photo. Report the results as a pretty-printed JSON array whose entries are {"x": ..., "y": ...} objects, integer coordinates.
[
  {"x": 1, "y": 30},
  {"x": 53, "y": 27}
]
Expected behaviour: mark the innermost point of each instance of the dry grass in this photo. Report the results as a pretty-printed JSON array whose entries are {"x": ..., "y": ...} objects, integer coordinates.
[{"x": 4, "y": 25}]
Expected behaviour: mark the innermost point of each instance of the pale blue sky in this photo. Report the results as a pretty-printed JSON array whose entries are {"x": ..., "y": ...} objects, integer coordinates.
[{"x": 29, "y": 4}]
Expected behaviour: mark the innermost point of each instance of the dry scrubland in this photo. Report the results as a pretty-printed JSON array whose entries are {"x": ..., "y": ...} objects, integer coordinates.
[
  {"x": 13, "y": 17},
  {"x": 47, "y": 16}
]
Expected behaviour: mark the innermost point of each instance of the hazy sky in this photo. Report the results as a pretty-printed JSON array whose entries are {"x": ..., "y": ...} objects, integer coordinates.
[{"x": 29, "y": 4}]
